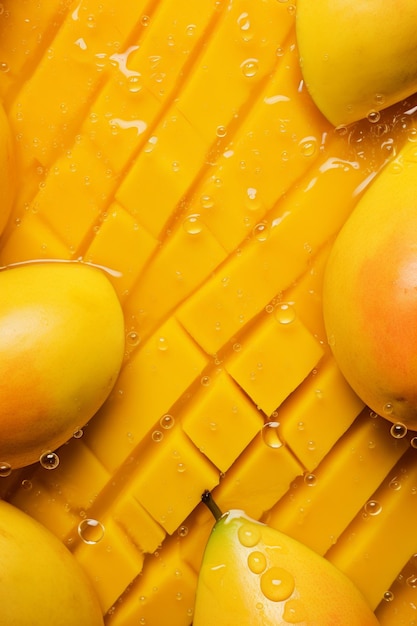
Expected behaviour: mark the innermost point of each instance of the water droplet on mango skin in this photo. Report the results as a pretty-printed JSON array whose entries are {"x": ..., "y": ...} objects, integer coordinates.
[{"x": 277, "y": 584}]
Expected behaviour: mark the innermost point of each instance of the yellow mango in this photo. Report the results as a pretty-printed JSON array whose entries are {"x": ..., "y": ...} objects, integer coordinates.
[
  {"x": 41, "y": 581},
  {"x": 61, "y": 348},
  {"x": 357, "y": 57},
  {"x": 7, "y": 170},
  {"x": 253, "y": 575},
  {"x": 370, "y": 294}
]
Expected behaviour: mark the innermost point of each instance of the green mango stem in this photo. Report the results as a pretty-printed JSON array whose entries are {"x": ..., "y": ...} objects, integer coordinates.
[{"x": 211, "y": 505}]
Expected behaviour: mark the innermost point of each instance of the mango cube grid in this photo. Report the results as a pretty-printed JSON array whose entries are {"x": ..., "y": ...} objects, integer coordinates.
[{"x": 174, "y": 144}]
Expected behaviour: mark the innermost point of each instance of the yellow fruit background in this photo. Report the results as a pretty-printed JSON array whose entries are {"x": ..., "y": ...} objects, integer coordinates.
[{"x": 175, "y": 144}]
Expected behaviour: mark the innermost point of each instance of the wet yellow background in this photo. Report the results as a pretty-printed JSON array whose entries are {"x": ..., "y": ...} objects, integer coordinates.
[{"x": 174, "y": 144}]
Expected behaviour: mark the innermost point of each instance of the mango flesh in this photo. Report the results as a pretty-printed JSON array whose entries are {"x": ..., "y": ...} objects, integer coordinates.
[
  {"x": 357, "y": 57},
  {"x": 7, "y": 170},
  {"x": 370, "y": 294},
  {"x": 61, "y": 348},
  {"x": 253, "y": 574},
  {"x": 41, "y": 581}
]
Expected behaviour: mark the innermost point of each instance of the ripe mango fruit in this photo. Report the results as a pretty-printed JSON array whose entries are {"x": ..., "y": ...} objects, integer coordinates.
[
  {"x": 254, "y": 575},
  {"x": 370, "y": 293},
  {"x": 41, "y": 581},
  {"x": 357, "y": 57},
  {"x": 61, "y": 348},
  {"x": 7, "y": 170}
]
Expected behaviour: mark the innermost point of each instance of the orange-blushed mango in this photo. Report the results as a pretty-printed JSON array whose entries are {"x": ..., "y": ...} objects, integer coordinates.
[
  {"x": 254, "y": 575},
  {"x": 41, "y": 581},
  {"x": 370, "y": 293},
  {"x": 61, "y": 349}
]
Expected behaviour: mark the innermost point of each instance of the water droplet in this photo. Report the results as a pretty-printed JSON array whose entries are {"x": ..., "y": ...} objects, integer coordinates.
[
  {"x": 277, "y": 584},
  {"x": 250, "y": 67},
  {"x": 261, "y": 231},
  {"x": 91, "y": 531},
  {"x": 372, "y": 507},
  {"x": 78, "y": 433},
  {"x": 49, "y": 460},
  {"x": 134, "y": 83},
  {"x": 244, "y": 21},
  {"x": 5, "y": 469},
  {"x": 27, "y": 484},
  {"x": 395, "y": 484},
  {"x": 205, "y": 381},
  {"x": 413, "y": 442},
  {"x": 206, "y": 201},
  {"x": 167, "y": 421},
  {"x": 257, "y": 562},
  {"x": 270, "y": 435},
  {"x": 4, "y": 67},
  {"x": 249, "y": 535},
  {"x": 183, "y": 531},
  {"x": 374, "y": 116},
  {"x": 237, "y": 348},
  {"x": 310, "y": 479},
  {"x": 388, "y": 408},
  {"x": 132, "y": 338},
  {"x": 412, "y": 581},
  {"x": 157, "y": 436},
  {"x": 181, "y": 468},
  {"x": 193, "y": 224},
  {"x": 398, "y": 430},
  {"x": 221, "y": 131},
  {"x": 162, "y": 344},
  {"x": 285, "y": 313},
  {"x": 294, "y": 611},
  {"x": 308, "y": 146},
  {"x": 388, "y": 596}
]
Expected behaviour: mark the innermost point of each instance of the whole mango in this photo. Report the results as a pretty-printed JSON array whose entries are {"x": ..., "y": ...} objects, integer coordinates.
[
  {"x": 357, "y": 57},
  {"x": 370, "y": 293},
  {"x": 61, "y": 349},
  {"x": 41, "y": 581}
]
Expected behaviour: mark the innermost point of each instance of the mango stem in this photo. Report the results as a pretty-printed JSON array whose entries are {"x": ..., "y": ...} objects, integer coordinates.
[{"x": 211, "y": 505}]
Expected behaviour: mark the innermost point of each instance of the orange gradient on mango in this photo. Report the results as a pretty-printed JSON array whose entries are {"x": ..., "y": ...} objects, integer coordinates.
[
  {"x": 370, "y": 297},
  {"x": 61, "y": 348}
]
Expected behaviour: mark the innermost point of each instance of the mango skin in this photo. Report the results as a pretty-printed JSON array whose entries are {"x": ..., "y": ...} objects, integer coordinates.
[
  {"x": 7, "y": 170},
  {"x": 254, "y": 575},
  {"x": 41, "y": 581},
  {"x": 61, "y": 347},
  {"x": 357, "y": 57},
  {"x": 370, "y": 294}
]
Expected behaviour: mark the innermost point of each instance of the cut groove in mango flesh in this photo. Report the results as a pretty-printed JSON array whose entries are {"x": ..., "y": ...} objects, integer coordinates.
[{"x": 174, "y": 144}]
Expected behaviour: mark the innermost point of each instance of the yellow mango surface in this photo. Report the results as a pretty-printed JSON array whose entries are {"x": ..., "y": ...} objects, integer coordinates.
[{"x": 175, "y": 144}]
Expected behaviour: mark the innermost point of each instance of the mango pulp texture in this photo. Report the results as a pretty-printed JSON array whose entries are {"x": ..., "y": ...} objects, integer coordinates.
[{"x": 174, "y": 143}]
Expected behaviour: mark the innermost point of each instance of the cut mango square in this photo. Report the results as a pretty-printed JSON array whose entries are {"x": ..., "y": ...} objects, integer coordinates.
[
  {"x": 166, "y": 587},
  {"x": 168, "y": 361},
  {"x": 274, "y": 361},
  {"x": 142, "y": 529},
  {"x": 174, "y": 156},
  {"x": 32, "y": 239},
  {"x": 380, "y": 540},
  {"x": 174, "y": 467},
  {"x": 251, "y": 39},
  {"x": 65, "y": 78},
  {"x": 187, "y": 256},
  {"x": 318, "y": 413},
  {"x": 260, "y": 477},
  {"x": 221, "y": 421},
  {"x": 122, "y": 246},
  {"x": 310, "y": 511},
  {"x": 77, "y": 187},
  {"x": 104, "y": 549}
]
